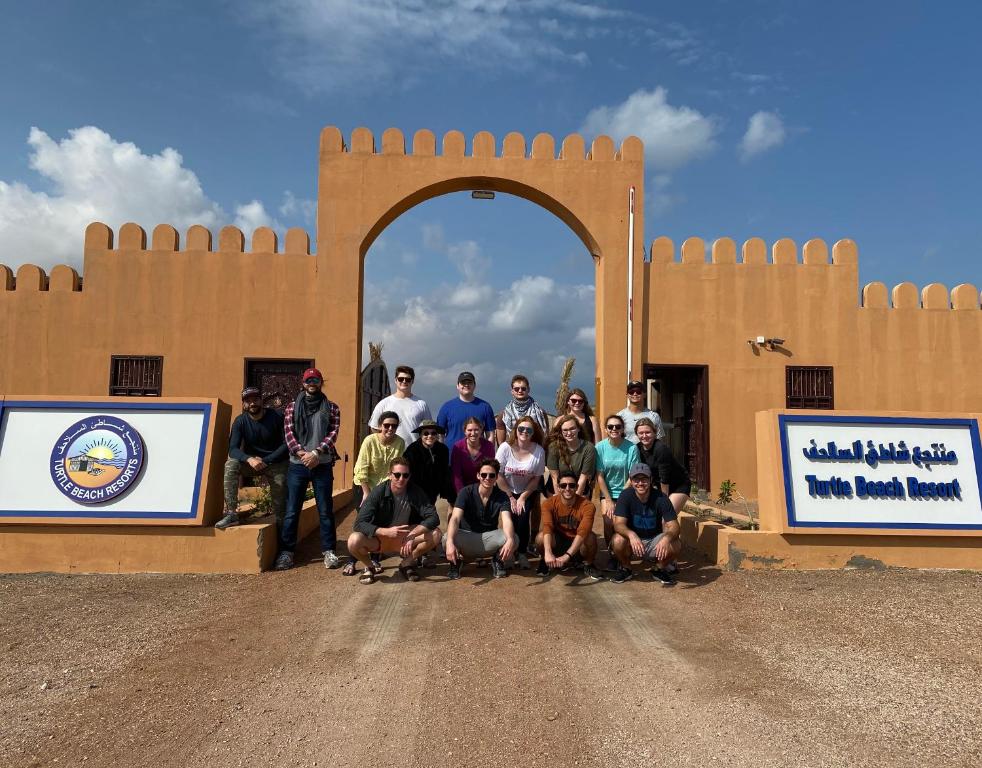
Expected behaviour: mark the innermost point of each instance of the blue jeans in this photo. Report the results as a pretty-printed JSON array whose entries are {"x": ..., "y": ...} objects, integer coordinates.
[{"x": 297, "y": 479}]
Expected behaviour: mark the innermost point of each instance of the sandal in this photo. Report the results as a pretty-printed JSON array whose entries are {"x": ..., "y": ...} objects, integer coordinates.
[
  {"x": 366, "y": 577},
  {"x": 376, "y": 568},
  {"x": 409, "y": 572},
  {"x": 350, "y": 569}
]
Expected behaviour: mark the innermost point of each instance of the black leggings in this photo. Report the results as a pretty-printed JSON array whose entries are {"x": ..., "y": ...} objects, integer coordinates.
[{"x": 527, "y": 524}]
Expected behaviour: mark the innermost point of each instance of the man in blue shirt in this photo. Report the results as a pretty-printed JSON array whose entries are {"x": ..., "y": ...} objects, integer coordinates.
[
  {"x": 454, "y": 413},
  {"x": 645, "y": 527},
  {"x": 255, "y": 447}
]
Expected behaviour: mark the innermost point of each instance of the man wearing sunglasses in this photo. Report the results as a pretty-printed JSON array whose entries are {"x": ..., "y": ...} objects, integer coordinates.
[
  {"x": 522, "y": 404},
  {"x": 638, "y": 409},
  {"x": 645, "y": 527},
  {"x": 567, "y": 529},
  {"x": 310, "y": 426},
  {"x": 397, "y": 517},
  {"x": 410, "y": 409},
  {"x": 473, "y": 530}
]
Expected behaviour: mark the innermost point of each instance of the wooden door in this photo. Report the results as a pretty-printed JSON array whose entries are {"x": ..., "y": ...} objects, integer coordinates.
[{"x": 278, "y": 380}]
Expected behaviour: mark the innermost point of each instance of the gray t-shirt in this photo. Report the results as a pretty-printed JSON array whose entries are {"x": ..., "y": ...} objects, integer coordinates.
[
  {"x": 402, "y": 509},
  {"x": 631, "y": 420},
  {"x": 316, "y": 432}
]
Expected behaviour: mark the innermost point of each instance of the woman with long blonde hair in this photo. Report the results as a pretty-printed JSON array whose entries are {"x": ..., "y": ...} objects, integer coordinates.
[
  {"x": 569, "y": 452},
  {"x": 523, "y": 462},
  {"x": 579, "y": 408}
]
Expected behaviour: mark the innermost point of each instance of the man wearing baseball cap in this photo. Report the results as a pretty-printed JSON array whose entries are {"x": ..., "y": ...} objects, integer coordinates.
[
  {"x": 255, "y": 447},
  {"x": 637, "y": 409},
  {"x": 645, "y": 527},
  {"x": 455, "y": 412},
  {"x": 310, "y": 426}
]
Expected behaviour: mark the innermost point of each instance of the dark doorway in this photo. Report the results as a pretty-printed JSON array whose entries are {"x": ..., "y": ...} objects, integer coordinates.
[
  {"x": 278, "y": 380},
  {"x": 680, "y": 393}
]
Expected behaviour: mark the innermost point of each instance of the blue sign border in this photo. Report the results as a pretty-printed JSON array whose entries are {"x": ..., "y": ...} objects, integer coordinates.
[
  {"x": 784, "y": 419},
  {"x": 101, "y": 406}
]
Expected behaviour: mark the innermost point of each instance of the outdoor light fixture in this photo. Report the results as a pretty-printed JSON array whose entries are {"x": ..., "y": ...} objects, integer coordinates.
[
  {"x": 482, "y": 194},
  {"x": 766, "y": 343}
]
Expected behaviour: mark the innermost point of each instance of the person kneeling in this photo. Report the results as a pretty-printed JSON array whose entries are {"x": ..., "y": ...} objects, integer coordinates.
[
  {"x": 473, "y": 528},
  {"x": 395, "y": 517},
  {"x": 567, "y": 529},
  {"x": 645, "y": 527}
]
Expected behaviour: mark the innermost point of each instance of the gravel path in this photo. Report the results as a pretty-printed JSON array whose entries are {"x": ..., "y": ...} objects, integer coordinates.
[{"x": 309, "y": 668}]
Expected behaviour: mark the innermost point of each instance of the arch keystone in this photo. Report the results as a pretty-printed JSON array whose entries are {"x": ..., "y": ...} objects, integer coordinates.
[
  {"x": 199, "y": 238},
  {"x": 165, "y": 238},
  {"x": 6, "y": 278},
  {"x": 297, "y": 241},
  {"x": 63, "y": 278},
  {"x": 393, "y": 142},
  {"x": 453, "y": 144},
  {"x": 935, "y": 296},
  {"x": 424, "y": 143},
  {"x": 513, "y": 145},
  {"x": 632, "y": 149},
  {"x": 724, "y": 251},
  {"x": 694, "y": 251},
  {"x": 662, "y": 250},
  {"x": 264, "y": 240},
  {"x": 544, "y": 147},
  {"x": 784, "y": 251},
  {"x": 483, "y": 144},
  {"x": 875, "y": 296},
  {"x": 573, "y": 148},
  {"x": 362, "y": 141},
  {"x": 98, "y": 237},
  {"x": 845, "y": 252},
  {"x": 815, "y": 251},
  {"x": 31, "y": 277},
  {"x": 965, "y": 296},
  {"x": 132, "y": 237},
  {"x": 602, "y": 148},
  {"x": 904, "y": 296},
  {"x": 755, "y": 251}
]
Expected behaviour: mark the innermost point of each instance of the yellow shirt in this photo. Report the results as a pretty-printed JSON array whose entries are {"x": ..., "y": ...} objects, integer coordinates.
[{"x": 372, "y": 466}]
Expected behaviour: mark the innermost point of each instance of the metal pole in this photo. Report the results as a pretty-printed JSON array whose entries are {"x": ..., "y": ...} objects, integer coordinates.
[{"x": 630, "y": 285}]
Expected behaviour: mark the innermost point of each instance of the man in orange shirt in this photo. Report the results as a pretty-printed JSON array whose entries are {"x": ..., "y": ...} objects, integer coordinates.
[{"x": 566, "y": 529}]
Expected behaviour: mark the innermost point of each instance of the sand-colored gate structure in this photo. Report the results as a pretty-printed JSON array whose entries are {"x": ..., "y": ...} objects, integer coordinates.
[{"x": 365, "y": 186}]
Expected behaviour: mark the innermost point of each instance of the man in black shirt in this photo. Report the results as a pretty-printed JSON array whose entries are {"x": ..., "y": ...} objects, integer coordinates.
[
  {"x": 473, "y": 529},
  {"x": 645, "y": 527},
  {"x": 255, "y": 447},
  {"x": 396, "y": 516}
]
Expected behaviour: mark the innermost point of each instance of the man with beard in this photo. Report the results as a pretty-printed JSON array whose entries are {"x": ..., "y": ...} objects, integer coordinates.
[
  {"x": 255, "y": 447},
  {"x": 310, "y": 425}
]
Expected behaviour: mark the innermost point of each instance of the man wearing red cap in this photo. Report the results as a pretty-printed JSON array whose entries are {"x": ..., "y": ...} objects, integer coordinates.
[{"x": 310, "y": 425}]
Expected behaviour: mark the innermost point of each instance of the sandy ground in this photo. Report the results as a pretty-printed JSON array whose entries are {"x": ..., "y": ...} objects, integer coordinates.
[{"x": 309, "y": 668}]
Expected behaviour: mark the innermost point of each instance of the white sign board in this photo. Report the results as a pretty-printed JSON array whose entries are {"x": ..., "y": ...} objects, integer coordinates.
[
  {"x": 92, "y": 461},
  {"x": 881, "y": 472}
]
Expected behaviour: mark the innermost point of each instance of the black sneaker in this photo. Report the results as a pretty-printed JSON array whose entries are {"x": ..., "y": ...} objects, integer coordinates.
[
  {"x": 612, "y": 564},
  {"x": 663, "y": 576},
  {"x": 542, "y": 569},
  {"x": 498, "y": 570},
  {"x": 592, "y": 573},
  {"x": 672, "y": 568},
  {"x": 454, "y": 572},
  {"x": 623, "y": 574}
]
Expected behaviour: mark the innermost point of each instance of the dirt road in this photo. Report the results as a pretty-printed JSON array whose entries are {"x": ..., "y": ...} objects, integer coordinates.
[{"x": 309, "y": 668}]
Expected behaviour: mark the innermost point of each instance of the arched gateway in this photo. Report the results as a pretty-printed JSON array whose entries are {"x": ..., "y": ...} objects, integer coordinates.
[{"x": 364, "y": 187}]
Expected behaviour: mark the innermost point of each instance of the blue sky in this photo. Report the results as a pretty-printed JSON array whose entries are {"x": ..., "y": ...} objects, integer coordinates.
[{"x": 769, "y": 119}]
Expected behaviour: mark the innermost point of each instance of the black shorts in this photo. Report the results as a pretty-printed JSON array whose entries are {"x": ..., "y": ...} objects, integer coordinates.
[{"x": 683, "y": 486}]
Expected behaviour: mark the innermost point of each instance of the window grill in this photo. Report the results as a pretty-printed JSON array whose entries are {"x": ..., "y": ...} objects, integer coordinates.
[
  {"x": 136, "y": 375},
  {"x": 809, "y": 387}
]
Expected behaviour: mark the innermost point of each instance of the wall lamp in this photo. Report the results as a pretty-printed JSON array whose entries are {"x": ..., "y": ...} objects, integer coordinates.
[{"x": 767, "y": 343}]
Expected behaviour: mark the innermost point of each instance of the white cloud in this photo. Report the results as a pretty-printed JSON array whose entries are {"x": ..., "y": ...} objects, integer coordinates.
[
  {"x": 672, "y": 136},
  {"x": 300, "y": 208},
  {"x": 587, "y": 335},
  {"x": 92, "y": 177},
  {"x": 765, "y": 130}
]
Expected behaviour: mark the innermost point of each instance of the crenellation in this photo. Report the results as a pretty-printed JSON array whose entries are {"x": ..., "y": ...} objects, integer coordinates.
[
  {"x": 755, "y": 251},
  {"x": 784, "y": 252},
  {"x": 483, "y": 145},
  {"x": 98, "y": 237},
  {"x": 165, "y": 238},
  {"x": 875, "y": 296},
  {"x": 694, "y": 251},
  {"x": 332, "y": 141},
  {"x": 573, "y": 148},
  {"x": 424, "y": 143},
  {"x": 30, "y": 277},
  {"x": 64, "y": 278},
  {"x": 935, "y": 296},
  {"x": 544, "y": 147},
  {"x": 6, "y": 278},
  {"x": 198, "y": 238},
  {"x": 264, "y": 240},
  {"x": 965, "y": 296},
  {"x": 602, "y": 148},
  {"x": 132, "y": 237},
  {"x": 904, "y": 296},
  {"x": 845, "y": 252},
  {"x": 632, "y": 150},
  {"x": 362, "y": 141},
  {"x": 453, "y": 144},
  {"x": 393, "y": 142},
  {"x": 815, "y": 252},
  {"x": 724, "y": 251},
  {"x": 231, "y": 240},
  {"x": 513, "y": 146},
  {"x": 297, "y": 241},
  {"x": 662, "y": 250}
]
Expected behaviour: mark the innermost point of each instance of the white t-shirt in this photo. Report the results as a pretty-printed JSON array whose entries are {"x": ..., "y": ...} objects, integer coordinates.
[
  {"x": 631, "y": 420},
  {"x": 411, "y": 412},
  {"x": 519, "y": 474}
]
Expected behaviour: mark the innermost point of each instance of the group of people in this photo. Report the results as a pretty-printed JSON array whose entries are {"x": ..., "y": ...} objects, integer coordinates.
[{"x": 519, "y": 483}]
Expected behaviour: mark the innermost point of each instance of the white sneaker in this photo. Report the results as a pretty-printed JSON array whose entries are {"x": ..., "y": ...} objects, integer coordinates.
[{"x": 331, "y": 560}]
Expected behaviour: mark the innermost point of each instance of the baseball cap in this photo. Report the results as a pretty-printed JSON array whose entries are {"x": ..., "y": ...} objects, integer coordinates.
[
  {"x": 251, "y": 392},
  {"x": 640, "y": 469},
  {"x": 635, "y": 384},
  {"x": 311, "y": 373},
  {"x": 466, "y": 376}
]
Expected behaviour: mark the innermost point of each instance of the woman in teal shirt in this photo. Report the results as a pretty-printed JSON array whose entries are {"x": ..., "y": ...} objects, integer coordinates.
[{"x": 615, "y": 457}]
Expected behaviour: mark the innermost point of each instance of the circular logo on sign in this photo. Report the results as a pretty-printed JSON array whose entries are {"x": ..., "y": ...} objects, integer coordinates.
[{"x": 96, "y": 459}]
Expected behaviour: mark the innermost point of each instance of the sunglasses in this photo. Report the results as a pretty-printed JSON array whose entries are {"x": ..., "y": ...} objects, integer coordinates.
[
  {"x": 575, "y": 401},
  {"x": 615, "y": 427},
  {"x": 390, "y": 425},
  {"x": 312, "y": 381},
  {"x": 488, "y": 475},
  {"x": 428, "y": 433},
  {"x": 641, "y": 480},
  {"x": 519, "y": 389},
  {"x": 403, "y": 379},
  {"x": 565, "y": 486},
  {"x": 525, "y": 430},
  {"x": 399, "y": 475},
  {"x": 635, "y": 391}
]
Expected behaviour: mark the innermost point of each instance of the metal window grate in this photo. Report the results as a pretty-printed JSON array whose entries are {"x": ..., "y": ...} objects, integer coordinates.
[
  {"x": 809, "y": 387},
  {"x": 136, "y": 375}
]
